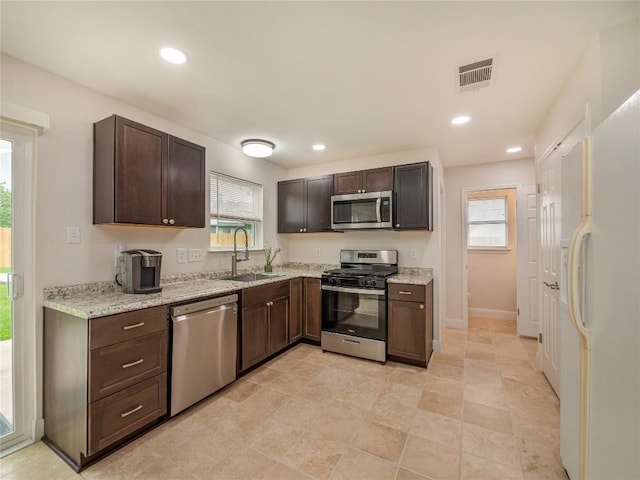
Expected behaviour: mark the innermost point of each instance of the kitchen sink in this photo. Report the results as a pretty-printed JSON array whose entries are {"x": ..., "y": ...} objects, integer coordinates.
[{"x": 252, "y": 277}]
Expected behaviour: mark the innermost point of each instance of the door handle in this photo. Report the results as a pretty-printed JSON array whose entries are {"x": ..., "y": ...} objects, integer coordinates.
[
  {"x": 15, "y": 286},
  {"x": 552, "y": 286}
]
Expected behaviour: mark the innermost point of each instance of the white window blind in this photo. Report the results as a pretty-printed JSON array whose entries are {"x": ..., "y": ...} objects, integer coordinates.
[
  {"x": 487, "y": 223},
  {"x": 234, "y": 203}
]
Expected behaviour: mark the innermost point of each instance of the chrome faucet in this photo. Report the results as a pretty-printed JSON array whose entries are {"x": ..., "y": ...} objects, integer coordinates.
[{"x": 234, "y": 257}]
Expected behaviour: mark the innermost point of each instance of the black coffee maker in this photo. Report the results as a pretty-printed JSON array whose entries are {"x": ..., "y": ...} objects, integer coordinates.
[{"x": 141, "y": 271}]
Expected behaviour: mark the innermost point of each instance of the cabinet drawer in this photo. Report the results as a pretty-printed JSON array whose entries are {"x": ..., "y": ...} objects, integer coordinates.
[
  {"x": 265, "y": 293},
  {"x": 122, "y": 413},
  {"x": 406, "y": 292},
  {"x": 119, "y": 366},
  {"x": 105, "y": 331}
]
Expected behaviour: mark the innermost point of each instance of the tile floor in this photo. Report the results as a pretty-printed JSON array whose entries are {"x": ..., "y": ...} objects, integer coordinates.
[{"x": 480, "y": 411}]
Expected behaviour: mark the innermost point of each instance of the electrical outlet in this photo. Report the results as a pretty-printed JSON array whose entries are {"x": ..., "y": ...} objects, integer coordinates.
[
  {"x": 73, "y": 234},
  {"x": 196, "y": 255},
  {"x": 183, "y": 255},
  {"x": 117, "y": 256},
  {"x": 318, "y": 252},
  {"x": 413, "y": 254}
]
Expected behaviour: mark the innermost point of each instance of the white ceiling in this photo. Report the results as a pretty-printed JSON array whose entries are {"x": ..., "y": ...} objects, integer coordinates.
[{"x": 362, "y": 77}]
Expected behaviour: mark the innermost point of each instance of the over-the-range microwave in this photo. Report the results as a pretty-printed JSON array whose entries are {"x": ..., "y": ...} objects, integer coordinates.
[{"x": 370, "y": 210}]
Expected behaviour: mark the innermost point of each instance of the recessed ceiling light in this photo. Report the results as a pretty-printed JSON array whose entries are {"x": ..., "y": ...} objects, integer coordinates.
[
  {"x": 460, "y": 120},
  {"x": 318, "y": 147},
  {"x": 173, "y": 55},
  {"x": 258, "y": 148},
  {"x": 514, "y": 149}
]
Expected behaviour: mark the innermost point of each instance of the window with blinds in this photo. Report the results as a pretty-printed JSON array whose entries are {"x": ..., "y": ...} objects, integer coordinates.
[
  {"x": 487, "y": 223},
  {"x": 235, "y": 203}
]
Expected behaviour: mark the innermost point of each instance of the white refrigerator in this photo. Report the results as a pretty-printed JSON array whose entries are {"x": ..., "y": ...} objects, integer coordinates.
[{"x": 600, "y": 283}]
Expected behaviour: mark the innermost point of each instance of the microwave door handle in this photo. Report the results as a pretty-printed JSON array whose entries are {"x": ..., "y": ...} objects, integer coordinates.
[{"x": 378, "y": 204}]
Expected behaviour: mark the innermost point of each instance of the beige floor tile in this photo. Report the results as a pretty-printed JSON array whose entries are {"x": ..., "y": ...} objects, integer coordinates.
[
  {"x": 479, "y": 338},
  {"x": 267, "y": 400},
  {"x": 409, "y": 379},
  {"x": 164, "y": 469},
  {"x": 23, "y": 457},
  {"x": 284, "y": 362},
  {"x": 297, "y": 412},
  {"x": 450, "y": 372},
  {"x": 125, "y": 463},
  {"x": 392, "y": 413},
  {"x": 284, "y": 472},
  {"x": 34, "y": 462},
  {"x": 442, "y": 385},
  {"x": 404, "y": 474},
  {"x": 380, "y": 440},
  {"x": 483, "y": 356},
  {"x": 482, "y": 377},
  {"x": 431, "y": 459},
  {"x": 240, "y": 391},
  {"x": 444, "y": 359},
  {"x": 542, "y": 392},
  {"x": 541, "y": 461},
  {"x": 289, "y": 383},
  {"x": 492, "y": 397},
  {"x": 357, "y": 465},
  {"x": 443, "y": 404},
  {"x": 307, "y": 369},
  {"x": 242, "y": 463},
  {"x": 200, "y": 453},
  {"x": 477, "y": 468},
  {"x": 503, "y": 448},
  {"x": 408, "y": 396},
  {"x": 275, "y": 439},
  {"x": 314, "y": 454},
  {"x": 437, "y": 428},
  {"x": 496, "y": 419},
  {"x": 335, "y": 422},
  {"x": 480, "y": 347},
  {"x": 263, "y": 376}
]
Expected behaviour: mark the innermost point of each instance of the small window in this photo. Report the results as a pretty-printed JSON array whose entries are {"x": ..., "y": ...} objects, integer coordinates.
[
  {"x": 235, "y": 203},
  {"x": 487, "y": 223}
]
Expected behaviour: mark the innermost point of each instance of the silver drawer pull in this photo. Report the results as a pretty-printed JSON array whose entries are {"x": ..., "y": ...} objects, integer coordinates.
[
  {"x": 135, "y": 325},
  {"x": 421, "y": 307},
  {"x": 402, "y": 292},
  {"x": 137, "y": 362},
  {"x": 126, "y": 414}
]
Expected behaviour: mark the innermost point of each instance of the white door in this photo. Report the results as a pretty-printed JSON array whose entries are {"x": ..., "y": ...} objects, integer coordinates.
[
  {"x": 527, "y": 251},
  {"x": 17, "y": 385},
  {"x": 550, "y": 267}
]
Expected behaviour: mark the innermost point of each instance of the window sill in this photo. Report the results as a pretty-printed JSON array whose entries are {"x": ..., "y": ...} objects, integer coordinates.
[{"x": 488, "y": 250}]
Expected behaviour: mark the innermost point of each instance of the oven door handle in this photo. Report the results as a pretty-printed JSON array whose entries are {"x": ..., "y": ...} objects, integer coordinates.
[{"x": 364, "y": 291}]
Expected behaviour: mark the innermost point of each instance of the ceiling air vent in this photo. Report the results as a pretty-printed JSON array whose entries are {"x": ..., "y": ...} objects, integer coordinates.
[{"x": 475, "y": 75}]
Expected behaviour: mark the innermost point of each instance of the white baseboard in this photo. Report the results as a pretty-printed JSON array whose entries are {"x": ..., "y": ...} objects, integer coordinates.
[
  {"x": 436, "y": 346},
  {"x": 488, "y": 313},
  {"x": 454, "y": 323},
  {"x": 38, "y": 429}
]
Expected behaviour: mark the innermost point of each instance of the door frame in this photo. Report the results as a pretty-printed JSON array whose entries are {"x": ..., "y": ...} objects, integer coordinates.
[
  {"x": 26, "y": 365},
  {"x": 465, "y": 253}
]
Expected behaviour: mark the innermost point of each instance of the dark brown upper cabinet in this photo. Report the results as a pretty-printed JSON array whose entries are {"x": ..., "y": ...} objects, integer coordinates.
[
  {"x": 413, "y": 197},
  {"x": 374, "y": 180},
  {"x": 147, "y": 177},
  {"x": 304, "y": 205}
]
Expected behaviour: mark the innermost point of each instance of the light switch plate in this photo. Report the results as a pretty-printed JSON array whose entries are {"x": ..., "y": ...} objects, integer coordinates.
[
  {"x": 73, "y": 234},
  {"x": 183, "y": 255},
  {"x": 413, "y": 254}
]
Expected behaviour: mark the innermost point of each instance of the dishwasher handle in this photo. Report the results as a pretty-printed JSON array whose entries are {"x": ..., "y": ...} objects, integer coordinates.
[{"x": 203, "y": 305}]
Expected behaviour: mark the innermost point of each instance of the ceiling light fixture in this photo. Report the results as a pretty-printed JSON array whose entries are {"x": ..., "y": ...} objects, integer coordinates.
[
  {"x": 258, "y": 148},
  {"x": 173, "y": 55},
  {"x": 462, "y": 119},
  {"x": 318, "y": 147},
  {"x": 514, "y": 149}
]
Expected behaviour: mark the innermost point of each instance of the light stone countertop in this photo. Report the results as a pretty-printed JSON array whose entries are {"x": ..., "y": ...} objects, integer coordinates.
[{"x": 98, "y": 300}]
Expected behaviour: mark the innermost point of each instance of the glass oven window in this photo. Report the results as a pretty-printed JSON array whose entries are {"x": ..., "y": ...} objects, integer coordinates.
[{"x": 358, "y": 314}]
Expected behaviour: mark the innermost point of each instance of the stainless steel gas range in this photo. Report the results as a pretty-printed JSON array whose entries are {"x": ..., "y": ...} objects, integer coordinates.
[{"x": 354, "y": 303}]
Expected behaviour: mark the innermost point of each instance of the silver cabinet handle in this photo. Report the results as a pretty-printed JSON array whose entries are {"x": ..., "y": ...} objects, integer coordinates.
[
  {"x": 402, "y": 292},
  {"x": 300, "y": 230},
  {"x": 126, "y": 414},
  {"x": 421, "y": 307},
  {"x": 397, "y": 225},
  {"x": 172, "y": 221},
  {"x": 165, "y": 221},
  {"x": 137, "y": 362},
  {"x": 135, "y": 325}
]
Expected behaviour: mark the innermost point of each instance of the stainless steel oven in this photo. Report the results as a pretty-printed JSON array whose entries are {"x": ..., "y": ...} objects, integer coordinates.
[{"x": 354, "y": 303}]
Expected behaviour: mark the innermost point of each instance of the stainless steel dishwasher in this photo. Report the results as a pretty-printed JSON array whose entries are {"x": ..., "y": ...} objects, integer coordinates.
[{"x": 203, "y": 353}]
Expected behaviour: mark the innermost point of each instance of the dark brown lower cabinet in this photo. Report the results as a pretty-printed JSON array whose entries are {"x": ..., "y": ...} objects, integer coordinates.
[
  {"x": 312, "y": 309},
  {"x": 104, "y": 379},
  {"x": 295, "y": 309},
  {"x": 265, "y": 322},
  {"x": 410, "y": 323}
]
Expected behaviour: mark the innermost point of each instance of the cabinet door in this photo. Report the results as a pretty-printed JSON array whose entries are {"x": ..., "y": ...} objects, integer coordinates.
[
  {"x": 377, "y": 179},
  {"x": 312, "y": 308},
  {"x": 319, "y": 191},
  {"x": 350, "y": 182},
  {"x": 407, "y": 330},
  {"x": 185, "y": 184},
  {"x": 412, "y": 205},
  {"x": 255, "y": 334},
  {"x": 140, "y": 156},
  {"x": 295, "y": 309},
  {"x": 291, "y": 206},
  {"x": 278, "y": 324}
]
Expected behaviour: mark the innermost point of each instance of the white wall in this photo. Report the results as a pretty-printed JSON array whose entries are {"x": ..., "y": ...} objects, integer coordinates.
[
  {"x": 428, "y": 245},
  {"x": 474, "y": 177}
]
